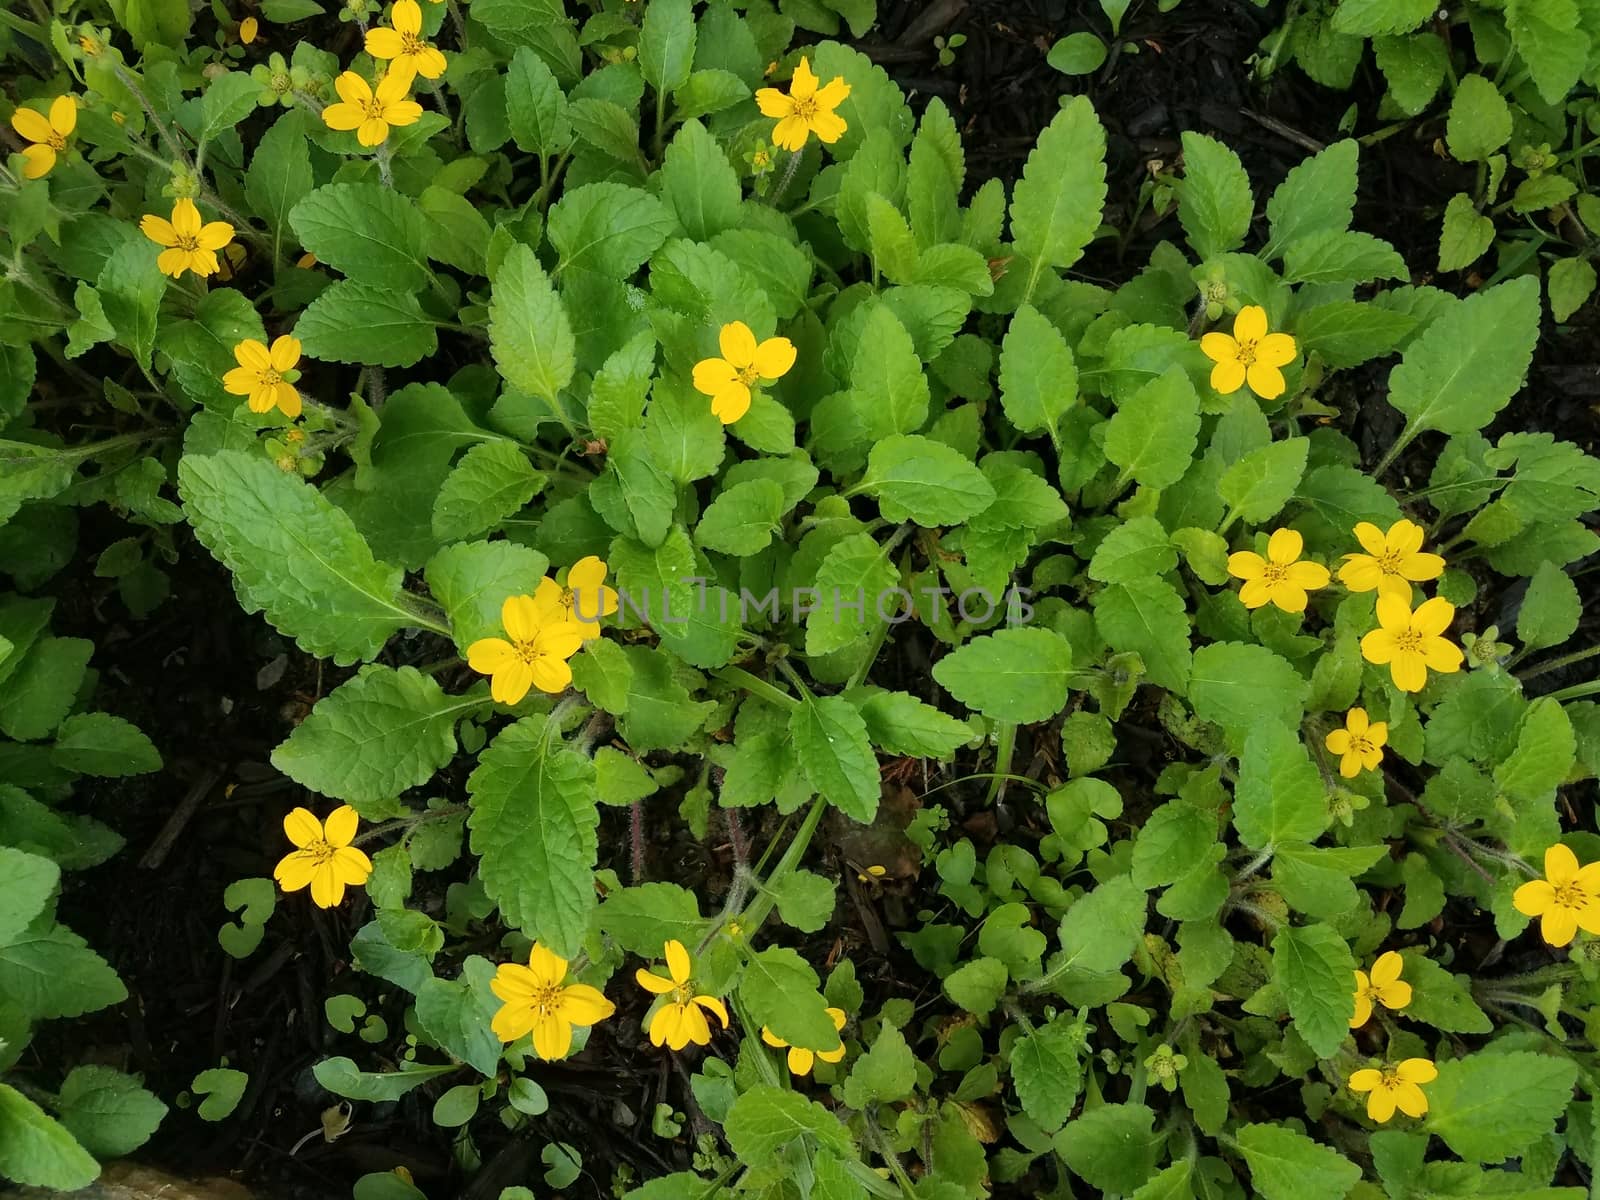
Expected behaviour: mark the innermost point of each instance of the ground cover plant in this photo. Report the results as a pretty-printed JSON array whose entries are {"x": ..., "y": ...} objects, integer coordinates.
[{"x": 796, "y": 672}]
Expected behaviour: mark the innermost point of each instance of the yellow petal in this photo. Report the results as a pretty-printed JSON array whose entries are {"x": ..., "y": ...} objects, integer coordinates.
[
  {"x": 1558, "y": 925},
  {"x": 1266, "y": 382},
  {"x": 774, "y": 103},
  {"x": 186, "y": 217},
  {"x": 1377, "y": 647},
  {"x": 402, "y": 113},
  {"x": 1251, "y": 324},
  {"x": 373, "y": 131},
  {"x": 32, "y": 124},
  {"x": 731, "y": 403},
  {"x": 430, "y": 64},
  {"x": 1337, "y": 742},
  {"x": 832, "y": 94},
  {"x": 1441, "y": 656},
  {"x": 772, "y": 1039},
  {"x": 548, "y": 967},
  {"x": 712, "y": 376},
  {"x": 252, "y": 354},
  {"x": 352, "y": 866},
  {"x": 343, "y": 117},
  {"x": 1394, "y": 616},
  {"x": 240, "y": 381},
  {"x": 803, "y": 85},
  {"x": 1560, "y": 865},
  {"x": 1357, "y": 722},
  {"x": 511, "y": 682},
  {"x": 562, "y": 640},
  {"x": 1246, "y": 564},
  {"x": 1421, "y": 567},
  {"x": 1409, "y": 671},
  {"x": 713, "y": 1005},
  {"x": 653, "y": 983},
  {"x": 1533, "y": 897},
  {"x": 302, "y": 828},
  {"x": 288, "y": 400},
  {"x": 1219, "y": 348},
  {"x": 738, "y": 345},
  {"x": 488, "y": 655},
  {"x": 340, "y": 827},
  {"x": 1395, "y": 995},
  {"x": 385, "y": 43},
  {"x": 327, "y": 890},
  {"x": 791, "y": 133},
  {"x": 513, "y": 1021},
  {"x": 693, "y": 1028},
  {"x": 1363, "y": 1013},
  {"x": 1255, "y": 593},
  {"x": 1285, "y": 546},
  {"x": 551, "y": 675},
  {"x": 174, "y": 262},
  {"x": 552, "y": 1038},
  {"x": 1360, "y": 573},
  {"x": 666, "y": 1024},
  {"x": 829, "y": 127},
  {"x": 1365, "y": 1079},
  {"x": 513, "y": 981},
  {"x": 1433, "y": 617},
  {"x": 158, "y": 229},
  {"x": 520, "y": 616},
  {"x": 584, "y": 1005},
  {"x": 37, "y": 161},
  {"x": 1378, "y": 733},
  {"x": 1380, "y": 1104},
  {"x": 1289, "y": 596},
  {"x": 800, "y": 1061},
  {"x": 1227, "y": 377},
  {"x": 1350, "y": 765},
  {"x": 1371, "y": 538},
  {"x": 1275, "y": 350},
  {"x": 1416, "y": 1070},
  {"x": 774, "y": 357},
  {"x": 294, "y": 871},
  {"x": 1387, "y": 969},
  {"x": 678, "y": 965},
  {"x": 352, "y": 89},
  {"x": 1411, "y": 1100},
  {"x": 406, "y": 16},
  {"x": 1308, "y": 575}
]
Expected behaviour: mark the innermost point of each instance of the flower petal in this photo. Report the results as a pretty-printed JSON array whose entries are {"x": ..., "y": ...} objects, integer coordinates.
[
  {"x": 832, "y": 94},
  {"x": 1219, "y": 348},
  {"x": 713, "y": 376},
  {"x": 1378, "y": 646},
  {"x": 37, "y": 161},
  {"x": 158, "y": 229},
  {"x": 1371, "y": 539},
  {"x": 385, "y": 43},
  {"x": 803, "y": 84},
  {"x": 772, "y": 1039},
  {"x": 1246, "y": 564},
  {"x": 584, "y": 1005},
  {"x": 520, "y": 617},
  {"x": 552, "y": 1038},
  {"x": 1357, "y": 722},
  {"x": 1255, "y": 593},
  {"x": 791, "y": 133},
  {"x": 1275, "y": 350},
  {"x": 1409, "y": 670},
  {"x": 294, "y": 870},
  {"x": 1337, "y": 741},
  {"x": 1285, "y": 546},
  {"x": 1441, "y": 656},
  {"x": 774, "y": 103},
  {"x": 32, "y": 124},
  {"x": 186, "y": 217},
  {"x": 1534, "y": 897},
  {"x": 1395, "y": 995},
  {"x": 343, "y": 117},
  {"x": 551, "y": 675},
  {"x": 713, "y": 1005},
  {"x": 800, "y": 1061},
  {"x": 1416, "y": 1070},
  {"x": 1360, "y": 573},
  {"x": 373, "y": 131},
  {"x": 406, "y": 16},
  {"x": 548, "y": 967},
  {"x": 513, "y": 981},
  {"x": 1433, "y": 617},
  {"x": 1266, "y": 382},
  {"x": 678, "y": 965},
  {"x": 694, "y": 1028},
  {"x": 1363, "y": 1013},
  {"x": 285, "y": 352},
  {"x": 174, "y": 262},
  {"x": 511, "y": 682},
  {"x": 64, "y": 114},
  {"x": 340, "y": 827},
  {"x": 1560, "y": 865},
  {"x": 1421, "y": 567},
  {"x": 240, "y": 381},
  {"x": 665, "y": 1024},
  {"x": 488, "y": 655},
  {"x": 327, "y": 889},
  {"x": 587, "y": 572},
  {"x": 352, "y": 89},
  {"x": 1387, "y": 969},
  {"x": 513, "y": 1021},
  {"x": 1394, "y": 615},
  {"x": 1227, "y": 377},
  {"x": 653, "y": 983},
  {"x": 1251, "y": 324},
  {"x": 302, "y": 828},
  {"x": 774, "y": 357},
  {"x": 1558, "y": 925},
  {"x": 829, "y": 127},
  {"x": 352, "y": 866},
  {"x": 738, "y": 344},
  {"x": 1364, "y": 1080},
  {"x": 561, "y": 640},
  {"x": 1289, "y": 596},
  {"x": 1408, "y": 1097},
  {"x": 731, "y": 403},
  {"x": 1308, "y": 575},
  {"x": 1380, "y": 1104}
]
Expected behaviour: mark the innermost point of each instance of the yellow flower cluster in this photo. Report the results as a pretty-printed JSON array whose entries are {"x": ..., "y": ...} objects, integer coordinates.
[
  {"x": 189, "y": 244},
  {"x": 543, "y": 631},
  {"x": 1409, "y": 643},
  {"x": 1565, "y": 900},
  {"x": 1397, "y": 1086},
  {"x": 370, "y": 111}
]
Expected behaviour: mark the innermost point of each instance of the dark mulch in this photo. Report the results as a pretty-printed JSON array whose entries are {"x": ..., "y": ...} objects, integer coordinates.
[{"x": 217, "y": 691}]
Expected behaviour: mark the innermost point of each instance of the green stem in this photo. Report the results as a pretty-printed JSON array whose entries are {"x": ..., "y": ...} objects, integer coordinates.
[
  {"x": 761, "y": 907},
  {"x": 892, "y": 1160},
  {"x": 756, "y": 686},
  {"x": 1407, "y": 436},
  {"x": 433, "y": 814},
  {"x": 1555, "y": 664},
  {"x": 1005, "y": 746},
  {"x": 1577, "y": 691}
]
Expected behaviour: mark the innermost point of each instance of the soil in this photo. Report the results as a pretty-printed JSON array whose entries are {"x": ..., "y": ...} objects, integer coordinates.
[{"x": 217, "y": 690}]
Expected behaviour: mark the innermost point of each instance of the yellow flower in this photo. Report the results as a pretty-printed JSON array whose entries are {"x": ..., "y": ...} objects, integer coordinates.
[
  {"x": 1251, "y": 355},
  {"x": 306, "y": 261},
  {"x": 537, "y": 1001},
  {"x": 372, "y": 114},
  {"x": 1395, "y": 1087},
  {"x": 1280, "y": 578},
  {"x": 807, "y": 109},
  {"x": 190, "y": 245},
  {"x": 92, "y": 46},
  {"x": 680, "y": 1020},
  {"x": 248, "y": 28},
  {"x": 403, "y": 44},
  {"x": 801, "y": 1060},
  {"x": 1392, "y": 563},
  {"x": 1359, "y": 744},
  {"x": 584, "y": 599},
  {"x": 1566, "y": 899},
  {"x": 1410, "y": 643},
  {"x": 1385, "y": 986},
  {"x": 536, "y": 654},
  {"x": 260, "y": 375},
  {"x": 728, "y": 380},
  {"x": 46, "y": 135},
  {"x": 325, "y": 859}
]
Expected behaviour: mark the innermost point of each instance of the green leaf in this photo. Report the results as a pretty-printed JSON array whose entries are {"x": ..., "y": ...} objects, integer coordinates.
[
  {"x": 41, "y": 691},
  {"x": 1317, "y": 882},
  {"x": 1465, "y": 234},
  {"x": 804, "y": 900},
  {"x": 37, "y": 1150},
  {"x": 130, "y": 294},
  {"x": 490, "y": 484},
  {"x": 1038, "y": 376},
  {"x": 107, "y": 1111},
  {"x": 607, "y": 228},
  {"x": 886, "y": 380},
  {"x": 1258, "y": 486},
  {"x": 644, "y": 919},
  {"x": 342, "y": 1077},
  {"x": 1441, "y": 999},
  {"x": 1287, "y": 1165},
  {"x": 536, "y": 107},
  {"x": 1047, "y": 1071},
  {"x": 1240, "y": 686},
  {"x": 831, "y": 739},
  {"x": 1370, "y": 18},
  {"x": 471, "y": 581},
  {"x": 364, "y": 323},
  {"x": 1100, "y": 931},
  {"x": 533, "y": 826},
  {"x": 53, "y": 973},
  {"x": 1545, "y": 750},
  {"x": 294, "y": 556},
  {"x": 1214, "y": 201},
  {"x": 97, "y": 743},
  {"x": 1569, "y": 285},
  {"x": 885, "y": 1074},
  {"x": 1488, "y": 1107},
  {"x": 1479, "y": 121},
  {"x": 456, "y": 1014},
  {"x": 666, "y": 45},
  {"x": 1138, "y": 549},
  {"x": 1017, "y": 675},
  {"x": 742, "y": 520},
  {"x": 458, "y": 235},
  {"x": 900, "y": 724},
  {"x": 529, "y": 333},
  {"x": 978, "y": 985},
  {"x": 934, "y": 178},
  {"x": 1414, "y": 67},
  {"x": 372, "y": 233},
  {"x": 1470, "y": 361},
  {"x": 1153, "y": 433},
  {"x": 1113, "y": 1147},
  {"x": 764, "y": 1119},
  {"x": 1148, "y": 617},
  {"x": 1346, "y": 333},
  {"x": 1552, "y": 42},
  {"x": 1077, "y": 54},
  {"x": 1313, "y": 967},
  {"x": 780, "y": 990},
  {"x": 1341, "y": 256},
  {"x": 709, "y": 91},
  {"x": 1164, "y": 849},
  {"x": 1280, "y": 796},
  {"x": 374, "y": 737},
  {"x": 854, "y": 594},
  {"x": 1318, "y": 193},
  {"x": 603, "y": 674},
  {"x": 698, "y": 182},
  {"x": 1056, "y": 205},
  {"x": 915, "y": 478},
  {"x": 1551, "y": 609},
  {"x": 27, "y": 882}
]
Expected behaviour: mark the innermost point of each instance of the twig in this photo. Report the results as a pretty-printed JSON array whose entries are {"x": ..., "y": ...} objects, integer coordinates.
[{"x": 180, "y": 818}]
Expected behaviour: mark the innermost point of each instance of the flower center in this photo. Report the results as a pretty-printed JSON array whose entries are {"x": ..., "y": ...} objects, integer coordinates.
[
  {"x": 412, "y": 44},
  {"x": 1247, "y": 352},
  {"x": 806, "y": 109},
  {"x": 373, "y": 107},
  {"x": 321, "y": 850},
  {"x": 1408, "y": 641},
  {"x": 1570, "y": 895},
  {"x": 1276, "y": 573},
  {"x": 1360, "y": 744},
  {"x": 683, "y": 994},
  {"x": 1391, "y": 1080},
  {"x": 282, "y": 84},
  {"x": 270, "y": 377},
  {"x": 546, "y": 999},
  {"x": 1389, "y": 563},
  {"x": 749, "y": 375},
  {"x": 189, "y": 242},
  {"x": 55, "y": 141},
  {"x": 528, "y": 652}
]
